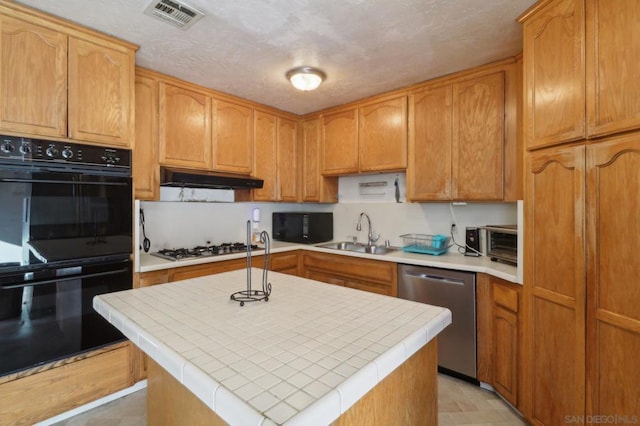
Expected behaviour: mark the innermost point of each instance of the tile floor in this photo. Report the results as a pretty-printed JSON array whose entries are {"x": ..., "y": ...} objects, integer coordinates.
[{"x": 459, "y": 403}]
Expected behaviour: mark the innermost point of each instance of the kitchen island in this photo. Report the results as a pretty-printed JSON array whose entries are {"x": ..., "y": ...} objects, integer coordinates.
[{"x": 313, "y": 354}]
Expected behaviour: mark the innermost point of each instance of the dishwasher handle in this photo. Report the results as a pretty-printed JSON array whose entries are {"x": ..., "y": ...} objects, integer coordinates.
[{"x": 444, "y": 280}]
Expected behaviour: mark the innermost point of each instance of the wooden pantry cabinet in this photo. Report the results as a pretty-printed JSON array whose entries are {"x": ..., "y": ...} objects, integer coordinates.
[
  {"x": 184, "y": 126},
  {"x": 62, "y": 80},
  {"x": 499, "y": 335},
  {"x": 580, "y": 293},
  {"x": 315, "y": 186},
  {"x": 459, "y": 132},
  {"x": 580, "y": 72},
  {"x": 375, "y": 276},
  {"x": 554, "y": 289}
]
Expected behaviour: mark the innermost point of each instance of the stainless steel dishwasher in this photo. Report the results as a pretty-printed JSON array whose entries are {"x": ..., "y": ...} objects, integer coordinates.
[{"x": 455, "y": 290}]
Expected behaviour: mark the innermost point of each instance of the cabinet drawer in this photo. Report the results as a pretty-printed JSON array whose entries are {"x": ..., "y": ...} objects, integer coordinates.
[
  {"x": 505, "y": 297},
  {"x": 370, "y": 270},
  {"x": 284, "y": 262}
]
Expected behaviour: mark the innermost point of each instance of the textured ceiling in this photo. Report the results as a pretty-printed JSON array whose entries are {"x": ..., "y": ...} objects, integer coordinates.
[{"x": 244, "y": 47}]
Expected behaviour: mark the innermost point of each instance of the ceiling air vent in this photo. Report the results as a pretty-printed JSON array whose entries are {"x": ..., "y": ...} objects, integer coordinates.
[{"x": 174, "y": 12}]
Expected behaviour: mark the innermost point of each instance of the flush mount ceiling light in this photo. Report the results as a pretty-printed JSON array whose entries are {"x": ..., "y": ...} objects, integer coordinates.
[{"x": 305, "y": 78}]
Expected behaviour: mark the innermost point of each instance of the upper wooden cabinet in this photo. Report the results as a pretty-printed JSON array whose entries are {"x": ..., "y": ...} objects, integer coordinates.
[
  {"x": 233, "y": 138},
  {"x": 287, "y": 160},
  {"x": 478, "y": 138},
  {"x": 580, "y": 70},
  {"x": 184, "y": 127},
  {"x": 457, "y": 137},
  {"x": 612, "y": 72},
  {"x": 33, "y": 60},
  {"x": 382, "y": 135},
  {"x": 265, "y": 150},
  {"x": 276, "y": 161},
  {"x": 145, "y": 152},
  {"x": 61, "y": 80},
  {"x": 101, "y": 93},
  {"x": 369, "y": 138},
  {"x": 340, "y": 142},
  {"x": 430, "y": 138},
  {"x": 554, "y": 78},
  {"x": 315, "y": 187}
]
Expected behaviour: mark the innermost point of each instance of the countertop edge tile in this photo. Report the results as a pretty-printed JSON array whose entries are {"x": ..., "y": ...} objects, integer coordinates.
[
  {"x": 201, "y": 384},
  {"x": 324, "y": 411},
  {"x": 390, "y": 360},
  {"x": 233, "y": 410},
  {"x": 356, "y": 386}
]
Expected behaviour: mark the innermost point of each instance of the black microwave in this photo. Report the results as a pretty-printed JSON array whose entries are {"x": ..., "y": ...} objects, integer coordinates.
[{"x": 301, "y": 227}]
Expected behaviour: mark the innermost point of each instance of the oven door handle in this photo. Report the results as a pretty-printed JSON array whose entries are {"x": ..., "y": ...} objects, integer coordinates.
[
  {"x": 71, "y": 182},
  {"x": 67, "y": 278}
]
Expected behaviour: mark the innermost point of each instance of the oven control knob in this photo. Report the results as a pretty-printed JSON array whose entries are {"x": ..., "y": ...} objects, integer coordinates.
[
  {"x": 25, "y": 149},
  {"x": 52, "y": 151},
  {"x": 67, "y": 153},
  {"x": 6, "y": 147}
]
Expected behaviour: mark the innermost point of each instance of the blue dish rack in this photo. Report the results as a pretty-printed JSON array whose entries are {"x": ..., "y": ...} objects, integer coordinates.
[{"x": 425, "y": 243}]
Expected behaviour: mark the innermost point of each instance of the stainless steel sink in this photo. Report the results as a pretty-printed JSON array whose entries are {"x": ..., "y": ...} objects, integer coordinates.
[{"x": 358, "y": 248}]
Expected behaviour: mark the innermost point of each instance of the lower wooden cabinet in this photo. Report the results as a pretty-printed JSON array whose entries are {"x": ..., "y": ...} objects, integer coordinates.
[
  {"x": 375, "y": 276},
  {"x": 28, "y": 399},
  {"x": 498, "y": 325}
]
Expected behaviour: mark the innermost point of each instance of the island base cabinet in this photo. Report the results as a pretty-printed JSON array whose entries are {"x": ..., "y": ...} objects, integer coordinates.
[{"x": 407, "y": 396}]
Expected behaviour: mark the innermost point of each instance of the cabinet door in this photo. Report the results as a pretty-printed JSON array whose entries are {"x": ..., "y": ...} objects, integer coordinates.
[
  {"x": 554, "y": 74},
  {"x": 33, "y": 86},
  {"x": 146, "y": 178},
  {"x": 287, "y": 161},
  {"x": 233, "y": 138},
  {"x": 382, "y": 136},
  {"x": 101, "y": 93},
  {"x": 340, "y": 142},
  {"x": 505, "y": 332},
  {"x": 613, "y": 75},
  {"x": 429, "y": 165},
  {"x": 613, "y": 317},
  {"x": 311, "y": 160},
  {"x": 266, "y": 133},
  {"x": 478, "y": 138},
  {"x": 185, "y": 127},
  {"x": 315, "y": 187},
  {"x": 505, "y": 339},
  {"x": 554, "y": 290}
]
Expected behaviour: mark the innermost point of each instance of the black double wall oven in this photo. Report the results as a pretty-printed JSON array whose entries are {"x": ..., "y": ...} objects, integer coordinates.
[{"x": 65, "y": 236}]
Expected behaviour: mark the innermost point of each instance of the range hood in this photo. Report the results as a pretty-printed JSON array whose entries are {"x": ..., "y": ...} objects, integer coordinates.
[{"x": 203, "y": 179}]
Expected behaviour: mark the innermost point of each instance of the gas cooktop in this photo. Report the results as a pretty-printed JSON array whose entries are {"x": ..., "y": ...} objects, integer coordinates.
[{"x": 203, "y": 251}]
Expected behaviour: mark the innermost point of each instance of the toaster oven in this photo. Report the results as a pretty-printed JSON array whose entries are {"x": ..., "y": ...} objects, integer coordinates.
[{"x": 502, "y": 243}]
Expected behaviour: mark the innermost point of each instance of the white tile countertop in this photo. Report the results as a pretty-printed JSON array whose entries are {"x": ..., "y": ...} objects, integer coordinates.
[
  {"x": 448, "y": 260},
  {"x": 304, "y": 357}
]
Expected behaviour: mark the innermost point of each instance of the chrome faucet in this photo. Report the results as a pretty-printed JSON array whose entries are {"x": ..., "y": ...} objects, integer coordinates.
[{"x": 371, "y": 237}]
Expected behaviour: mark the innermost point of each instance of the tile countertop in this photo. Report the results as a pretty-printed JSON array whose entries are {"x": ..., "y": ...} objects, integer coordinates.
[
  {"x": 447, "y": 261},
  {"x": 303, "y": 357}
]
